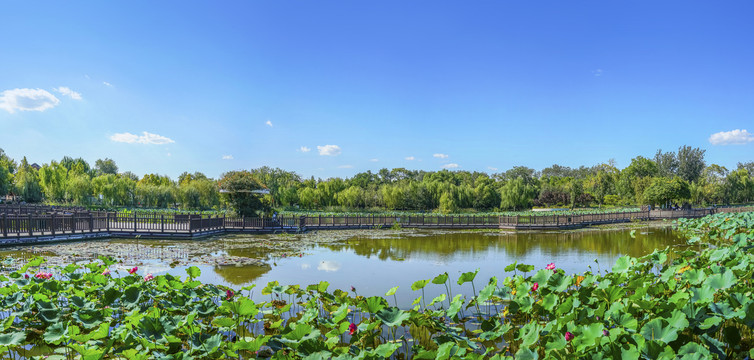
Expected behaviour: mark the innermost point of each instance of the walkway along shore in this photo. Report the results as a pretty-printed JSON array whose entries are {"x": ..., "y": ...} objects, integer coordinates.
[{"x": 21, "y": 226}]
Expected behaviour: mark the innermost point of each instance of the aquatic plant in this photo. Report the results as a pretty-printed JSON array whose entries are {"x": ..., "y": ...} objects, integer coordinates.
[{"x": 689, "y": 304}]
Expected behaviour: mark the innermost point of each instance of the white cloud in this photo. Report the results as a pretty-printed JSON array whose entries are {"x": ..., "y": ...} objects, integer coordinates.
[
  {"x": 450, "y": 166},
  {"x": 492, "y": 168},
  {"x": 409, "y": 158},
  {"x": 27, "y": 100},
  {"x": 64, "y": 90},
  {"x": 598, "y": 72},
  {"x": 374, "y": 160},
  {"x": 329, "y": 150},
  {"x": 732, "y": 137},
  {"x": 268, "y": 123},
  {"x": 345, "y": 167},
  {"x": 304, "y": 149},
  {"x": 440, "y": 156},
  {"x": 227, "y": 157},
  {"x": 145, "y": 138},
  {"x": 107, "y": 83}
]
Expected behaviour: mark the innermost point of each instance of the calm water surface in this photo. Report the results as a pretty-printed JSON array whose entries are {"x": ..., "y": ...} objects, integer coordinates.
[{"x": 373, "y": 266}]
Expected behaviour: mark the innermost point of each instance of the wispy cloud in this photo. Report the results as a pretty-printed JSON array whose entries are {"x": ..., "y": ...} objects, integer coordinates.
[
  {"x": 450, "y": 166},
  {"x": 304, "y": 149},
  {"x": 374, "y": 160},
  {"x": 27, "y": 100},
  {"x": 598, "y": 72},
  {"x": 329, "y": 150},
  {"x": 345, "y": 167},
  {"x": 227, "y": 157},
  {"x": 107, "y": 84},
  {"x": 268, "y": 123},
  {"x": 145, "y": 138},
  {"x": 490, "y": 168},
  {"x": 733, "y": 137},
  {"x": 66, "y": 91},
  {"x": 410, "y": 158},
  {"x": 441, "y": 156}
]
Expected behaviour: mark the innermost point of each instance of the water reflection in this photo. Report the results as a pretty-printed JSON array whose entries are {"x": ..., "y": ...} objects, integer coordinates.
[
  {"x": 326, "y": 265},
  {"x": 453, "y": 246},
  {"x": 239, "y": 275}
]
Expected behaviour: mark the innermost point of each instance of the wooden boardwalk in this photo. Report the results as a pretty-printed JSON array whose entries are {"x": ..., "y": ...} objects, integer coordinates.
[{"x": 27, "y": 227}]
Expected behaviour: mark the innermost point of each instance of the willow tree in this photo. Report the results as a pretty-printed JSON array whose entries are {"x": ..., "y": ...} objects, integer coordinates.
[
  {"x": 516, "y": 194},
  {"x": 26, "y": 182}
]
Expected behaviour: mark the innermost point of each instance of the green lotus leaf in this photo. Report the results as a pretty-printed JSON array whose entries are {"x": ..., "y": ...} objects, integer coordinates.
[
  {"x": 419, "y": 284},
  {"x": 392, "y": 316},
  {"x": 529, "y": 334},
  {"x": 55, "y": 332},
  {"x": 721, "y": 281},
  {"x": 659, "y": 330},
  {"x": 440, "y": 279},
  {"x": 467, "y": 277}
]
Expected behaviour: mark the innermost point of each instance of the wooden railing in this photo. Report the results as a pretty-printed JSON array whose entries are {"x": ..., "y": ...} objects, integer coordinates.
[{"x": 16, "y": 225}]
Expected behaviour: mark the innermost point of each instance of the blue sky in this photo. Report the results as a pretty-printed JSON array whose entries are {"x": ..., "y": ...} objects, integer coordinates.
[{"x": 333, "y": 88}]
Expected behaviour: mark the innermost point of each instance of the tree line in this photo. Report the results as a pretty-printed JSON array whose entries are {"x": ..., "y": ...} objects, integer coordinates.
[{"x": 676, "y": 177}]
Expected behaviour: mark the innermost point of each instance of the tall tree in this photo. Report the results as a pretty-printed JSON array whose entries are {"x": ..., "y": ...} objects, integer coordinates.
[
  {"x": 105, "y": 166},
  {"x": 667, "y": 163},
  {"x": 26, "y": 182},
  {"x": 690, "y": 163}
]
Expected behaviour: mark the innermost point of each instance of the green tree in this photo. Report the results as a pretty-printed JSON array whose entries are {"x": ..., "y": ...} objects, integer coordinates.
[
  {"x": 79, "y": 189},
  {"x": 53, "y": 179},
  {"x": 240, "y": 190},
  {"x": 667, "y": 163},
  {"x": 105, "y": 166},
  {"x": 26, "y": 183},
  {"x": 663, "y": 191},
  {"x": 516, "y": 194},
  {"x": 690, "y": 163},
  {"x": 5, "y": 179}
]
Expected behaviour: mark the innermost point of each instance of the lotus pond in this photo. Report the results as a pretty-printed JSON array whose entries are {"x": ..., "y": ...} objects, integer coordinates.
[
  {"x": 687, "y": 302},
  {"x": 372, "y": 261}
]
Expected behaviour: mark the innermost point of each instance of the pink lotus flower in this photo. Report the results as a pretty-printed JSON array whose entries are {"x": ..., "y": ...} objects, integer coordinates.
[
  {"x": 353, "y": 288},
  {"x": 106, "y": 272},
  {"x": 26, "y": 276},
  {"x": 229, "y": 294},
  {"x": 550, "y": 266},
  {"x": 535, "y": 287},
  {"x": 43, "y": 275},
  {"x": 148, "y": 277},
  {"x": 351, "y": 329},
  {"x": 605, "y": 332},
  {"x": 569, "y": 336},
  {"x": 132, "y": 271}
]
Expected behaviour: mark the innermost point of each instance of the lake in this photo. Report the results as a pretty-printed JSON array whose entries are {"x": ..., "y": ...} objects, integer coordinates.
[{"x": 374, "y": 261}]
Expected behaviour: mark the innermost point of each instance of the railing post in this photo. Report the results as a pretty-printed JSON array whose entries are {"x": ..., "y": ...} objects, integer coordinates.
[
  {"x": 162, "y": 222},
  {"x": 135, "y": 221},
  {"x": 243, "y": 222},
  {"x": 52, "y": 225},
  {"x": 28, "y": 225},
  {"x": 91, "y": 223}
]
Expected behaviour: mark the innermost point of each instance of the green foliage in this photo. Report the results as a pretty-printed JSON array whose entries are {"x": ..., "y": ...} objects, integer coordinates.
[
  {"x": 670, "y": 304},
  {"x": 237, "y": 190}
]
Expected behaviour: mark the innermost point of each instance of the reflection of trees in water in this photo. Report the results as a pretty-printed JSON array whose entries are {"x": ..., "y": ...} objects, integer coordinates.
[
  {"x": 470, "y": 246},
  {"x": 241, "y": 275}
]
